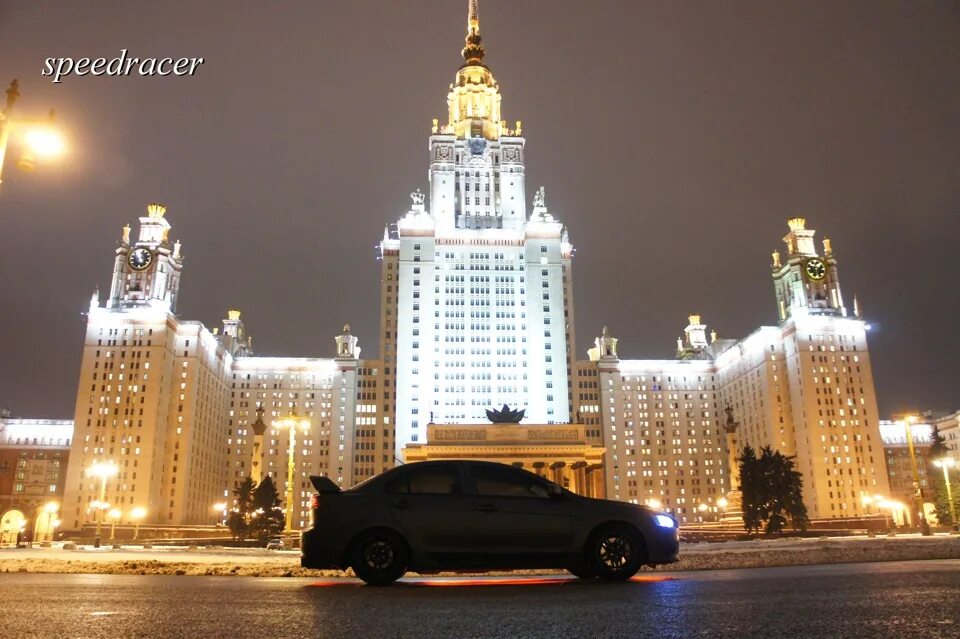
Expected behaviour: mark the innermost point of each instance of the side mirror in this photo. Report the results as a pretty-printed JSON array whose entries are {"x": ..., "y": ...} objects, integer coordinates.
[{"x": 554, "y": 491}]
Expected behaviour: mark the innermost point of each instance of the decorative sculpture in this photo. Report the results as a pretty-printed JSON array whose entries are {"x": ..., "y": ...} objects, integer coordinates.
[{"x": 505, "y": 415}]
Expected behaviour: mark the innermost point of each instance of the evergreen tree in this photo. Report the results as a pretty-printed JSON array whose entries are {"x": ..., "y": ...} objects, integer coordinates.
[
  {"x": 239, "y": 518},
  {"x": 772, "y": 491},
  {"x": 750, "y": 490},
  {"x": 269, "y": 520}
]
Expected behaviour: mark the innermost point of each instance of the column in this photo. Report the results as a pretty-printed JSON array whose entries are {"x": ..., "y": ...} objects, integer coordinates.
[
  {"x": 538, "y": 468},
  {"x": 556, "y": 472},
  {"x": 578, "y": 483}
]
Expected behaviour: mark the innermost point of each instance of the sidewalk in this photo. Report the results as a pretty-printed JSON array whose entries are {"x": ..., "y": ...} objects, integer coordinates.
[{"x": 259, "y": 562}]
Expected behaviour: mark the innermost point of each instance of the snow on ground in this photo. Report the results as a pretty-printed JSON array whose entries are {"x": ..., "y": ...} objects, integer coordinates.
[{"x": 257, "y": 562}]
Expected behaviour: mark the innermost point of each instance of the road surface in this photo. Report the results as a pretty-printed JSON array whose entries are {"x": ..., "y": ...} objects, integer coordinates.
[{"x": 902, "y": 599}]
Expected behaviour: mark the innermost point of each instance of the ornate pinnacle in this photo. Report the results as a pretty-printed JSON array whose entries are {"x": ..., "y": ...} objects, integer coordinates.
[{"x": 473, "y": 50}]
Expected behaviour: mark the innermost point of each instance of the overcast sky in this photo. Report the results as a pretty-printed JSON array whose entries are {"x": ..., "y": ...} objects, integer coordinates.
[{"x": 674, "y": 140}]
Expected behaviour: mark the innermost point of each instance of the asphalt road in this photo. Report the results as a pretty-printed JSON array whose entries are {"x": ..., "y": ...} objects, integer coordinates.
[{"x": 903, "y": 599}]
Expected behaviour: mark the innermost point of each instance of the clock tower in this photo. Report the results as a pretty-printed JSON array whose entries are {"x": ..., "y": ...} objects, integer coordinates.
[
  {"x": 806, "y": 281},
  {"x": 146, "y": 273}
]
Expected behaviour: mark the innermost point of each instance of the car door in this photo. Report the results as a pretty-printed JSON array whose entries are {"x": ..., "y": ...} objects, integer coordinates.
[
  {"x": 516, "y": 514},
  {"x": 430, "y": 508}
]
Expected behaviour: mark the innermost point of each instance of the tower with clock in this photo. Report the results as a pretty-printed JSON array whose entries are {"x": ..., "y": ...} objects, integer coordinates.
[
  {"x": 806, "y": 281},
  {"x": 146, "y": 273}
]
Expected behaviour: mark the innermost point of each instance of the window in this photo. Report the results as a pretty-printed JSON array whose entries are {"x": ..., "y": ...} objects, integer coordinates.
[
  {"x": 493, "y": 481},
  {"x": 430, "y": 480}
]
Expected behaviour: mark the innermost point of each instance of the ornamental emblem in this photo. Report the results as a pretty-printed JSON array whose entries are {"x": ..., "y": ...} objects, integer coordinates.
[{"x": 505, "y": 415}]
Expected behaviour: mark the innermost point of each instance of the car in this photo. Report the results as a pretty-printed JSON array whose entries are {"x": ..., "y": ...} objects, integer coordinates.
[
  {"x": 275, "y": 544},
  {"x": 472, "y": 515}
]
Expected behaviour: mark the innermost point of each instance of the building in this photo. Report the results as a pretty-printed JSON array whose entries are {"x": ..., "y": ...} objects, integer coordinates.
[
  {"x": 171, "y": 404},
  {"x": 33, "y": 463},
  {"x": 903, "y": 489},
  {"x": 477, "y": 293},
  {"x": 949, "y": 428},
  {"x": 476, "y": 311},
  {"x": 559, "y": 452}
]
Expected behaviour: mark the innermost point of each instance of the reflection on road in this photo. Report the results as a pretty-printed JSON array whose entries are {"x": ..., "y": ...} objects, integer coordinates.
[{"x": 462, "y": 582}]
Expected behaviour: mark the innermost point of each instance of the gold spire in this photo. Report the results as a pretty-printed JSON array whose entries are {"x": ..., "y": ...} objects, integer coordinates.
[{"x": 473, "y": 50}]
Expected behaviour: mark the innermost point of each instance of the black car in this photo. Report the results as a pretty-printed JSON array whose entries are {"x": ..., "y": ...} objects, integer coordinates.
[{"x": 462, "y": 515}]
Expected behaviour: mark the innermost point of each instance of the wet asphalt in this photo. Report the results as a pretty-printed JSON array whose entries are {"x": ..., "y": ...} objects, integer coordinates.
[{"x": 901, "y": 599}]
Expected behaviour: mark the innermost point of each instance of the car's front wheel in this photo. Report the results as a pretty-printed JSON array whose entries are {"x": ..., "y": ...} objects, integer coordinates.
[
  {"x": 379, "y": 557},
  {"x": 615, "y": 552}
]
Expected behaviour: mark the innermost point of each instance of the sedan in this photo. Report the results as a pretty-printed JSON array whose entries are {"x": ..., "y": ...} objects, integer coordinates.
[{"x": 469, "y": 515}]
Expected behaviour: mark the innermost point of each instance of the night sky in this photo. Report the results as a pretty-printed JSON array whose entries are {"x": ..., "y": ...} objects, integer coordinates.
[{"x": 674, "y": 140}]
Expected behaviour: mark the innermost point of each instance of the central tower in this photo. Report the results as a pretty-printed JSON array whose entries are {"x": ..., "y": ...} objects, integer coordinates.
[{"x": 476, "y": 295}]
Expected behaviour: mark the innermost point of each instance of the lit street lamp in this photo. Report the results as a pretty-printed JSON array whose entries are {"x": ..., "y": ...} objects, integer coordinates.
[
  {"x": 137, "y": 514},
  {"x": 291, "y": 423},
  {"x": 114, "y": 515},
  {"x": 103, "y": 471},
  {"x": 221, "y": 509},
  {"x": 946, "y": 464},
  {"x": 907, "y": 423},
  {"x": 49, "y": 516},
  {"x": 39, "y": 136}
]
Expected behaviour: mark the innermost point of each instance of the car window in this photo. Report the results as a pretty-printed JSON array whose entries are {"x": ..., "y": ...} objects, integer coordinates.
[
  {"x": 492, "y": 481},
  {"x": 429, "y": 480}
]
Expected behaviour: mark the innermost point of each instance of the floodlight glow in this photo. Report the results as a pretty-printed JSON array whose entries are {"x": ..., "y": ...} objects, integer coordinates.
[{"x": 45, "y": 142}]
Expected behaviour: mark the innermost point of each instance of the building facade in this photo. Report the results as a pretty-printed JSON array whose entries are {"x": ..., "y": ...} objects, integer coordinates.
[
  {"x": 33, "y": 463},
  {"x": 477, "y": 292},
  {"x": 476, "y": 311}
]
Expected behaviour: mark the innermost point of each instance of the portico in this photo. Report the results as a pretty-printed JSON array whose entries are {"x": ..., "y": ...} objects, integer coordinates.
[{"x": 559, "y": 452}]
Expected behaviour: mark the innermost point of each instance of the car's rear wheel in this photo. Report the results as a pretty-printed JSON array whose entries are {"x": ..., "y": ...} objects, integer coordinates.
[
  {"x": 379, "y": 557},
  {"x": 615, "y": 552}
]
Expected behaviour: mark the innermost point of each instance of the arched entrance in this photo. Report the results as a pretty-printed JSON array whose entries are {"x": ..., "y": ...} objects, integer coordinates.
[
  {"x": 11, "y": 523},
  {"x": 46, "y": 523}
]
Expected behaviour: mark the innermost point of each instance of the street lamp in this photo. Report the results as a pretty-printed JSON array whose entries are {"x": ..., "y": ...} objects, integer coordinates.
[
  {"x": 291, "y": 423},
  {"x": 114, "y": 515},
  {"x": 221, "y": 509},
  {"x": 907, "y": 423},
  {"x": 137, "y": 514},
  {"x": 103, "y": 470},
  {"x": 946, "y": 463},
  {"x": 49, "y": 513},
  {"x": 39, "y": 135},
  {"x": 654, "y": 503}
]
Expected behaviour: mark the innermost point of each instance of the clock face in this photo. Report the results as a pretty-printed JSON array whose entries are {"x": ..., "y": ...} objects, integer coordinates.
[
  {"x": 815, "y": 269},
  {"x": 477, "y": 145},
  {"x": 140, "y": 258}
]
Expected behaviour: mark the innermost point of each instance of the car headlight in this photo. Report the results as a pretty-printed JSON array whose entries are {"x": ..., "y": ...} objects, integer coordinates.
[{"x": 664, "y": 521}]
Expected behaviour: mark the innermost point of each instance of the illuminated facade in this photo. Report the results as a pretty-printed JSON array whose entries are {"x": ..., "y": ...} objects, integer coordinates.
[
  {"x": 476, "y": 311},
  {"x": 33, "y": 464},
  {"x": 173, "y": 404},
  {"x": 477, "y": 302}
]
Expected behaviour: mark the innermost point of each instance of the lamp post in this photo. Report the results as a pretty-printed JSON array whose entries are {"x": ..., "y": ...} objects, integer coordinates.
[
  {"x": 291, "y": 423},
  {"x": 908, "y": 422},
  {"x": 221, "y": 509},
  {"x": 946, "y": 463},
  {"x": 49, "y": 514},
  {"x": 114, "y": 515},
  {"x": 137, "y": 514},
  {"x": 40, "y": 137},
  {"x": 103, "y": 470}
]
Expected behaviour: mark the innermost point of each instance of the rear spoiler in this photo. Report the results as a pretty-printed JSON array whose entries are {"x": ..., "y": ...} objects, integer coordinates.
[{"x": 324, "y": 484}]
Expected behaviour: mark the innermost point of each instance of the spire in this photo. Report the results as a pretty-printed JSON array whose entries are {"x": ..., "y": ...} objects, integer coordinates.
[{"x": 473, "y": 49}]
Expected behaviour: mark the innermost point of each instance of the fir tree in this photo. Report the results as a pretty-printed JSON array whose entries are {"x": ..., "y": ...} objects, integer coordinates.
[
  {"x": 772, "y": 491},
  {"x": 239, "y": 518},
  {"x": 266, "y": 504}
]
